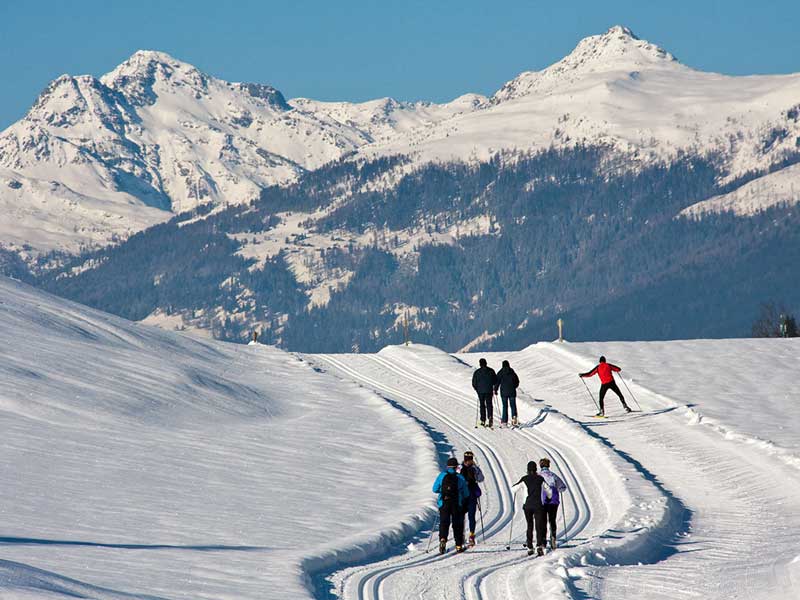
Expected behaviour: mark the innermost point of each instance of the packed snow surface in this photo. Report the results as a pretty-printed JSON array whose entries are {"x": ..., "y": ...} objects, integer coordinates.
[{"x": 142, "y": 463}]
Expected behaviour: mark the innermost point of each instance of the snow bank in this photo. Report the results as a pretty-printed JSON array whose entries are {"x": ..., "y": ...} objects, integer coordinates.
[{"x": 143, "y": 463}]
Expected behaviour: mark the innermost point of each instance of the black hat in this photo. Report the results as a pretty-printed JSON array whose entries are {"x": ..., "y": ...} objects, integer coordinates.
[
  {"x": 482, "y": 362},
  {"x": 468, "y": 455},
  {"x": 602, "y": 359},
  {"x": 532, "y": 466},
  {"x": 452, "y": 462}
]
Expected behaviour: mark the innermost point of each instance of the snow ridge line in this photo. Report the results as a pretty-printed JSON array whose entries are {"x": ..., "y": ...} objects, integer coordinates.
[
  {"x": 695, "y": 417},
  {"x": 369, "y": 585},
  {"x": 365, "y": 547}
]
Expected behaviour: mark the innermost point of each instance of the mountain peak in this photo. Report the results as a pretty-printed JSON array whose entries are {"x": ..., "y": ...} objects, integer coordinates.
[
  {"x": 138, "y": 75},
  {"x": 618, "y": 49},
  {"x": 618, "y": 30}
]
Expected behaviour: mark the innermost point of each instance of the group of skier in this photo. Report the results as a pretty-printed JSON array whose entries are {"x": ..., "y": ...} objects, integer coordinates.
[
  {"x": 459, "y": 496},
  {"x": 458, "y": 486},
  {"x": 487, "y": 383},
  {"x": 459, "y": 492}
]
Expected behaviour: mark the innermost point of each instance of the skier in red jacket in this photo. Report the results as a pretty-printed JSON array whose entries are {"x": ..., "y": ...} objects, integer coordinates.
[{"x": 606, "y": 372}]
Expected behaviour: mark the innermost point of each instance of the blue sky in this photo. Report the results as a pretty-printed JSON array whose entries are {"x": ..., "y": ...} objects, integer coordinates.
[{"x": 356, "y": 50}]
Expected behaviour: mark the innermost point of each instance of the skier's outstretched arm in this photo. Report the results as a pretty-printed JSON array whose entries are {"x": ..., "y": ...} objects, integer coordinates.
[
  {"x": 615, "y": 368},
  {"x": 588, "y": 373}
]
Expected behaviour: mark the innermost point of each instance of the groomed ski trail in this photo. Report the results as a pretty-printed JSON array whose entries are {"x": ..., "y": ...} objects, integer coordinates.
[
  {"x": 435, "y": 388},
  {"x": 741, "y": 505}
]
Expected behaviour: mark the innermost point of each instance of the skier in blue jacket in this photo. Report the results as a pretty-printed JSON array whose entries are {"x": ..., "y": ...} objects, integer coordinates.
[{"x": 453, "y": 494}]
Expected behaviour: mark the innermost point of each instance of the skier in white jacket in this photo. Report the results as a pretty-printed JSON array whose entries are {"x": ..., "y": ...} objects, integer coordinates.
[{"x": 551, "y": 497}]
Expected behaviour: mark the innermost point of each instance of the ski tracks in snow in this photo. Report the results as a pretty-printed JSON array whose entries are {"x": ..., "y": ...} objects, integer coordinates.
[
  {"x": 435, "y": 388},
  {"x": 742, "y": 512}
]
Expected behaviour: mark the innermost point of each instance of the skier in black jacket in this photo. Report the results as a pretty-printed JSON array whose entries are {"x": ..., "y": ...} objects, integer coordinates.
[
  {"x": 534, "y": 512},
  {"x": 507, "y": 383},
  {"x": 483, "y": 381}
]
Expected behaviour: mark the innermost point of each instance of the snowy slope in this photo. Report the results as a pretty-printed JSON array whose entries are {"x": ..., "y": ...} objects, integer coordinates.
[
  {"x": 743, "y": 389},
  {"x": 140, "y": 463},
  {"x": 617, "y": 89},
  {"x": 668, "y": 509},
  {"x": 156, "y": 136},
  {"x": 778, "y": 188},
  {"x": 738, "y": 504}
]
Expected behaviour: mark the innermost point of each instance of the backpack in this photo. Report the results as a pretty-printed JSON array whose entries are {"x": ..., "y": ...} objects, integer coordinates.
[
  {"x": 549, "y": 489},
  {"x": 469, "y": 474},
  {"x": 449, "y": 489}
]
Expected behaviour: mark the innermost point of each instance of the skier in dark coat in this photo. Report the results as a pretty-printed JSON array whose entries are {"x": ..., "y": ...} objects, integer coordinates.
[
  {"x": 605, "y": 370},
  {"x": 534, "y": 512},
  {"x": 453, "y": 493},
  {"x": 507, "y": 384},
  {"x": 474, "y": 476},
  {"x": 483, "y": 381}
]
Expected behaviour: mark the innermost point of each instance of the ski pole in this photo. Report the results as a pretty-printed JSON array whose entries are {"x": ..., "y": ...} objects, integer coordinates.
[
  {"x": 480, "y": 511},
  {"x": 590, "y": 393},
  {"x": 631, "y": 393},
  {"x": 477, "y": 412},
  {"x": 564, "y": 517},
  {"x": 435, "y": 527},
  {"x": 513, "y": 509}
]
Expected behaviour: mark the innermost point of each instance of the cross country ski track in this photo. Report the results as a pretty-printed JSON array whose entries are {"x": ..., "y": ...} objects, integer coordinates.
[
  {"x": 436, "y": 389},
  {"x": 740, "y": 507}
]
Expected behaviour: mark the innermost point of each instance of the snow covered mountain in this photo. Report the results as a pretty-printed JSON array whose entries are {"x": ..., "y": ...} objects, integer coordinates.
[
  {"x": 619, "y": 90},
  {"x": 97, "y": 159}
]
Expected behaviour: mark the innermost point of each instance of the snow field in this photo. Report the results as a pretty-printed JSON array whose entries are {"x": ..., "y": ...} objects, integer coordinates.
[
  {"x": 739, "y": 388},
  {"x": 436, "y": 388},
  {"x": 144, "y": 464},
  {"x": 740, "y": 506},
  {"x": 140, "y": 463}
]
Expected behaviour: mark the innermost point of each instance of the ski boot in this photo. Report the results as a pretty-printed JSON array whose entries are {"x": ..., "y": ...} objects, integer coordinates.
[
  {"x": 503, "y": 424},
  {"x": 539, "y": 550},
  {"x": 483, "y": 423},
  {"x": 460, "y": 549},
  {"x": 627, "y": 408},
  {"x": 442, "y": 546},
  {"x": 530, "y": 551},
  {"x": 514, "y": 421},
  {"x": 552, "y": 542},
  {"x": 601, "y": 414},
  {"x": 490, "y": 424},
  {"x": 471, "y": 542}
]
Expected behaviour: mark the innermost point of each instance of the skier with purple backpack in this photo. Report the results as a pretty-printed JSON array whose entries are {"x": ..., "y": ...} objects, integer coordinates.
[{"x": 552, "y": 487}]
